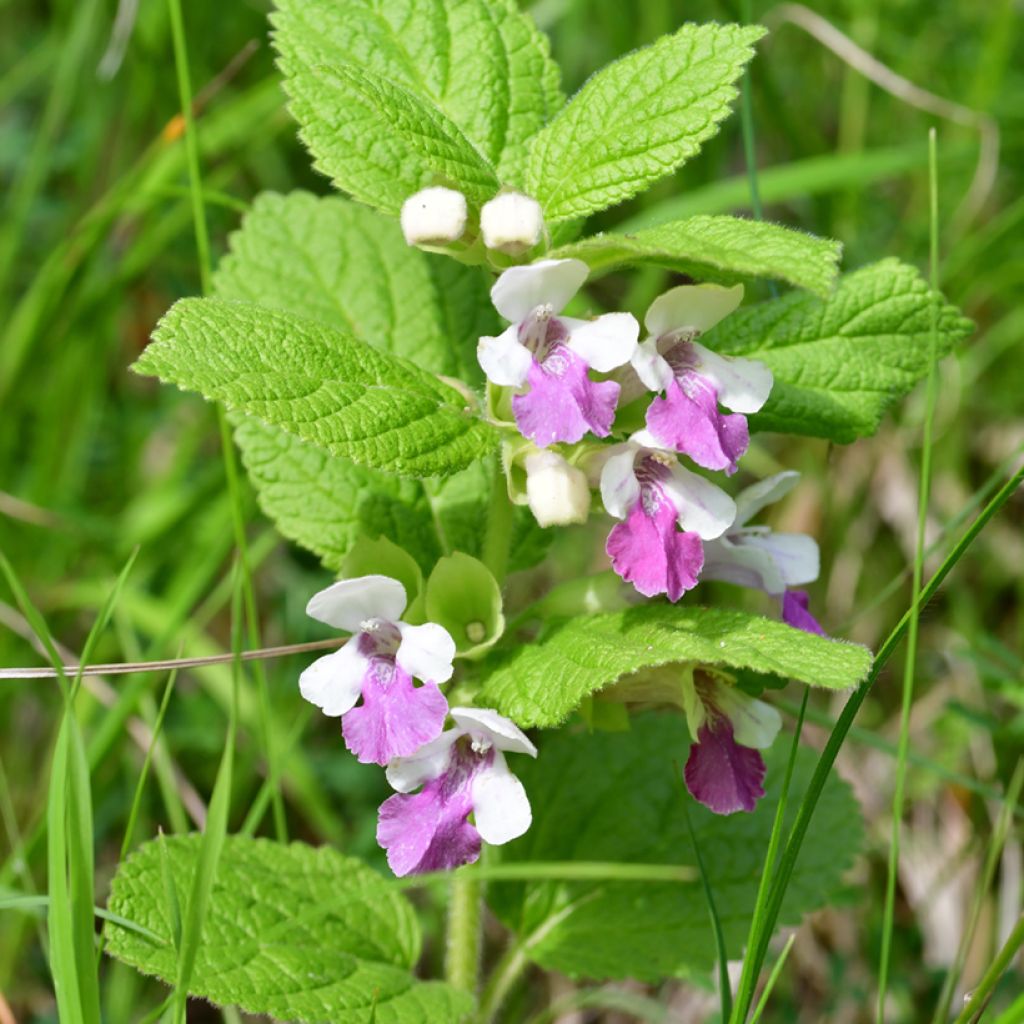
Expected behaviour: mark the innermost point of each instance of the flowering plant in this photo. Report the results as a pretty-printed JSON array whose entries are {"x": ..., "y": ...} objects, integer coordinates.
[{"x": 432, "y": 391}]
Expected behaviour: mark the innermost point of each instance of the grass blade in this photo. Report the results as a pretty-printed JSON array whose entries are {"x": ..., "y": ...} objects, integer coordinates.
[
  {"x": 772, "y": 979},
  {"x": 911, "y": 658},
  {"x": 981, "y": 995}
]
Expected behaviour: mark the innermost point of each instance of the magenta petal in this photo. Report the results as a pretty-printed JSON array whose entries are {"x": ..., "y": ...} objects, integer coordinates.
[
  {"x": 395, "y": 718},
  {"x": 649, "y": 552},
  {"x": 795, "y": 605},
  {"x": 687, "y": 420},
  {"x": 563, "y": 403},
  {"x": 428, "y": 831},
  {"x": 721, "y": 774}
]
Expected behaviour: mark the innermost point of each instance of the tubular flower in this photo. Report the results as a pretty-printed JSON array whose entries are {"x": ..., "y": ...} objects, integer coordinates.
[
  {"x": 558, "y": 494},
  {"x": 796, "y": 613},
  {"x": 462, "y": 772},
  {"x": 696, "y": 380},
  {"x": 725, "y": 770},
  {"x": 550, "y": 355},
  {"x": 667, "y": 511},
  {"x": 378, "y": 664},
  {"x": 434, "y": 216},
  {"x": 511, "y": 223}
]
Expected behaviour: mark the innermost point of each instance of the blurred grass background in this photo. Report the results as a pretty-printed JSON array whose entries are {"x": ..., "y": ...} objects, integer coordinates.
[{"x": 96, "y": 242}]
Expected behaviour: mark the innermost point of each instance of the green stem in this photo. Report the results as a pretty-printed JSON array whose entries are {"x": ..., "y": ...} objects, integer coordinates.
[
  {"x": 980, "y": 996},
  {"x": 498, "y": 531},
  {"x": 506, "y": 973},
  {"x": 911, "y": 659},
  {"x": 462, "y": 955}
]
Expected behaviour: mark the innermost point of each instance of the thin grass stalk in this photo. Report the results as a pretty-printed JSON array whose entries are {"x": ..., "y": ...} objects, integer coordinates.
[
  {"x": 828, "y": 756},
  {"x": 748, "y": 976},
  {"x": 910, "y": 663},
  {"x": 769, "y": 986},
  {"x": 980, "y": 996}
]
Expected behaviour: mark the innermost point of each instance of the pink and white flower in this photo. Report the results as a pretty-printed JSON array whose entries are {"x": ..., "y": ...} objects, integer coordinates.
[
  {"x": 756, "y": 556},
  {"x": 550, "y": 355},
  {"x": 462, "y": 772},
  {"x": 725, "y": 770},
  {"x": 667, "y": 511},
  {"x": 696, "y": 380},
  {"x": 378, "y": 664}
]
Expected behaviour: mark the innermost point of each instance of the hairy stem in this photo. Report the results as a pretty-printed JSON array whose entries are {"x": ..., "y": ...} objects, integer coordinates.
[{"x": 462, "y": 955}]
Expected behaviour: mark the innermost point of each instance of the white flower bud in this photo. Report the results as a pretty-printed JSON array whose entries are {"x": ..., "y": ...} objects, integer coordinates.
[
  {"x": 511, "y": 223},
  {"x": 557, "y": 493},
  {"x": 434, "y": 216}
]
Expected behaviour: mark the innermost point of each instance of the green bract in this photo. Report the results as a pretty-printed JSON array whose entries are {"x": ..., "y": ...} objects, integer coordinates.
[
  {"x": 465, "y": 598},
  {"x": 294, "y": 932}
]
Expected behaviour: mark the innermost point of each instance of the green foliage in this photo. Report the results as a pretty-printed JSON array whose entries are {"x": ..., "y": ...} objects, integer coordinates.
[
  {"x": 380, "y": 142},
  {"x": 481, "y": 62},
  {"x": 722, "y": 249},
  {"x": 318, "y": 383},
  {"x": 538, "y": 684},
  {"x": 840, "y": 362},
  {"x": 638, "y": 119},
  {"x": 619, "y": 797},
  {"x": 298, "y": 933}
]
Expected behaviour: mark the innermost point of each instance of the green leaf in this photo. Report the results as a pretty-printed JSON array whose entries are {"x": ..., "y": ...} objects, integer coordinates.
[
  {"x": 380, "y": 142},
  {"x": 319, "y": 384},
  {"x": 539, "y": 684},
  {"x": 721, "y": 249},
  {"x": 619, "y": 797},
  {"x": 350, "y": 268},
  {"x": 481, "y": 62},
  {"x": 839, "y": 363},
  {"x": 298, "y": 933},
  {"x": 638, "y": 119}
]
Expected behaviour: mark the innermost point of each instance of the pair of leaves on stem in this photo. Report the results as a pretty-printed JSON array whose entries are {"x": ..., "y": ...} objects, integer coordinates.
[{"x": 312, "y": 935}]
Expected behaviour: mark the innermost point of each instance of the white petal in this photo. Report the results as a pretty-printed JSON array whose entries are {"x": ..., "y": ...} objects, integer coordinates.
[
  {"x": 503, "y": 359},
  {"x": 704, "y": 509},
  {"x": 501, "y": 808},
  {"x": 742, "y": 565},
  {"x": 520, "y": 290},
  {"x": 795, "y": 554},
  {"x": 754, "y": 723},
  {"x": 348, "y": 603},
  {"x": 334, "y": 682},
  {"x": 406, "y": 773},
  {"x": 620, "y": 488},
  {"x": 504, "y": 734},
  {"x": 426, "y": 652},
  {"x": 692, "y": 308},
  {"x": 743, "y": 384},
  {"x": 511, "y": 222},
  {"x": 604, "y": 343},
  {"x": 765, "y": 492},
  {"x": 433, "y": 216},
  {"x": 651, "y": 367},
  {"x": 558, "y": 493}
]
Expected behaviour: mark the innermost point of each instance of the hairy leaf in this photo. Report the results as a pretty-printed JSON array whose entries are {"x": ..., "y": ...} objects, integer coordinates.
[
  {"x": 722, "y": 249},
  {"x": 319, "y": 384},
  {"x": 538, "y": 684},
  {"x": 481, "y": 62},
  {"x": 380, "y": 142},
  {"x": 619, "y": 797},
  {"x": 298, "y": 933},
  {"x": 840, "y": 362},
  {"x": 638, "y": 119}
]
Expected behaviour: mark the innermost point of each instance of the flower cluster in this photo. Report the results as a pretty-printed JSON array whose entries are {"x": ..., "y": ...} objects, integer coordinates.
[{"x": 387, "y": 720}]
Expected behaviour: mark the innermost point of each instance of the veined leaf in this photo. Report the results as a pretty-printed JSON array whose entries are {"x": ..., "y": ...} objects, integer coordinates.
[
  {"x": 539, "y": 684},
  {"x": 319, "y": 384},
  {"x": 840, "y": 362},
  {"x": 722, "y": 249},
  {"x": 619, "y": 797},
  {"x": 638, "y": 119},
  {"x": 483, "y": 63},
  {"x": 297, "y": 933},
  {"x": 380, "y": 142}
]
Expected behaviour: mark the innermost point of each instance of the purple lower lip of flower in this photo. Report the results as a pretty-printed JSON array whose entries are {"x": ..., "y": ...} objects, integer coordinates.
[
  {"x": 429, "y": 831},
  {"x": 563, "y": 403},
  {"x": 720, "y": 773},
  {"x": 688, "y": 420},
  {"x": 395, "y": 718},
  {"x": 795, "y": 612},
  {"x": 649, "y": 551}
]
